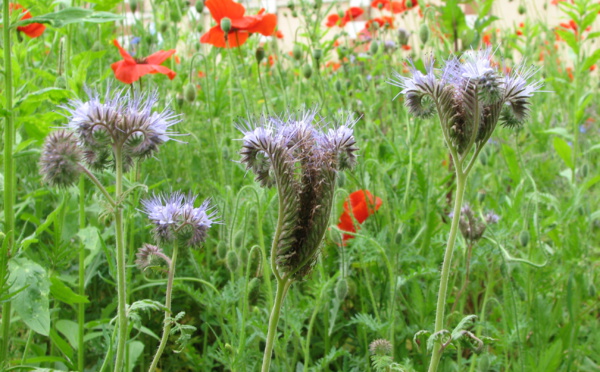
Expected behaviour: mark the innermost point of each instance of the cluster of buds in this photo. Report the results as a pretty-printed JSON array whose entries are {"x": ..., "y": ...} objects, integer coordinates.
[
  {"x": 302, "y": 159},
  {"x": 472, "y": 227},
  {"x": 176, "y": 219},
  {"x": 471, "y": 97},
  {"x": 98, "y": 129}
]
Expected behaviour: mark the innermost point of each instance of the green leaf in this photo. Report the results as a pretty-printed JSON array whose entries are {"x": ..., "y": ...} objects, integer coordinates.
[
  {"x": 570, "y": 38},
  {"x": 61, "y": 292},
  {"x": 43, "y": 95},
  {"x": 465, "y": 323},
  {"x": 512, "y": 162},
  {"x": 453, "y": 17},
  {"x": 591, "y": 60},
  {"x": 104, "y": 4},
  {"x": 71, "y": 15},
  {"x": 32, "y": 304},
  {"x": 62, "y": 345},
  {"x": 70, "y": 330},
  {"x": 563, "y": 150}
]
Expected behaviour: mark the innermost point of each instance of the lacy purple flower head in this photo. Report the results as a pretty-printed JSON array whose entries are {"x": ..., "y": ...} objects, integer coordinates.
[
  {"x": 60, "y": 160},
  {"x": 470, "y": 96},
  {"x": 301, "y": 154},
  {"x": 176, "y": 218},
  {"x": 122, "y": 120}
]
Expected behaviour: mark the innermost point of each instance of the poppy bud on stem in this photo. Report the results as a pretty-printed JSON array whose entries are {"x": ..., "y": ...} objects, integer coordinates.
[{"x": 225, "y": 25}]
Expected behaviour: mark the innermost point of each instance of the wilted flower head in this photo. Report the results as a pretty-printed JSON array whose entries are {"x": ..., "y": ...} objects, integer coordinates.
[
  {"x": 61, "y": 155},
  {"x": 175, "y": 217},
  {"x": 302, "y": 156},
  {"x": 380, "y": 347},
  {"x": 148, "y": 255},
  {"x": 122, "y": 120},
  {"x": 471, "y": 95}
]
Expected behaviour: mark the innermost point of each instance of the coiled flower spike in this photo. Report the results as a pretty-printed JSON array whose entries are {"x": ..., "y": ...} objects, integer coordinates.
[{"x": 302, "y": 159}]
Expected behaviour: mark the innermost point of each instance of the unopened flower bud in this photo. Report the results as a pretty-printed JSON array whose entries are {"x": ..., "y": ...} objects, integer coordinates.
[
  {"x": 338, "y": 88},
  {"x": 380, "y": 5},
  {"x": 424, "y": 33},
  {"x": 297, "y": 52},
  {"x": 374, "y": 48},
  {"x": 341, "y": 13},
  {"x": 341, "y": 289},
  {"x": 226, "y": 25},
  {"x": 524, "y": 238},
  {"x": 317, "y": 54},
  {"x": 380, "y": 347},
  {"x": 481, "y": 196},
  {"x": 291, "y": 5},
  {"x": 409, "y": 4},
  {"x": 403, "y": 36},
  {"x": 179, "y": 100},
  {"x": 522, "y": 9},
  {"x": 232, "y": 261},
  {"x": 307, "y": 71},
  {"x": 295, "y": 14},
  {"x": 200, "y": 29},
  {"x": 133, "y": 5},
  {"x": 61, "y": 155},
  {"x": 189, "y": 93},
  {"x": 175, "y": 15},
  {"x": 164, "y": 26},
  {"x": 199, "y": 6},
  {"x": 259, "y": 54},
  {"x": 221, "y": 250}
]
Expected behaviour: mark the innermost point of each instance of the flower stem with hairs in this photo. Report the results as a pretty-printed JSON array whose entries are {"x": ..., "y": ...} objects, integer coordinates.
[
  {"x": 9, "y": 179},
  {"x": 121, "y": 263}
]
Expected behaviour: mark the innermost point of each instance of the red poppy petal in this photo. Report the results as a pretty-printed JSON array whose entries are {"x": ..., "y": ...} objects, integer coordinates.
[
  {"x": 265, "y": 26},
  {"x": 220, "y": 9},
  {"x": 123, "y": 52},
  {"x": 125, "y": 72},
  {"x": 159, "y": 57},
  {"x": 395, "y": 7},
  {"x": 332, "y": 20},
  {"x": 235, "y": 39},
  {"x": 244, "y": 23},
  {"x": 354, "y": 12},
  {"x": 215, "y": 36},
  {"x": 33, "y": 29}
]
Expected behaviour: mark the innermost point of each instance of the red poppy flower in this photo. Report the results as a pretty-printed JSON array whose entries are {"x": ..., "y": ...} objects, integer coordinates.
[
  {"x": 201, "y": 74},
  {"x": 363, "y": 205},
  {"x": 131, "y": 69},
  {"x": 278, "y": 34},
  {"x": 406, "y": 47},
  {"x": 333, "y": 65},
  {"x": 241, "y": 26},
  {"x": 33, "y": 29},
  {"x": 487, "y": 39},
  {"x": 350, "y": 15}
]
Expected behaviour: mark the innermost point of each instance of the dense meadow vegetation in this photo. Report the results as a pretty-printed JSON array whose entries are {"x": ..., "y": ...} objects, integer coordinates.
[{"x": 168, "y": 205}]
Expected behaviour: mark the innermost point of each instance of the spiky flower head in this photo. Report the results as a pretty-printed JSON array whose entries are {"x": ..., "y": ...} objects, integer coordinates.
[
  {"x": 472, "y": 227},
  {"x": 150, "y": 255},
  {"x": 60, "y": 160},
  {"x": 471, "y": 95},
  {"x": 121, "y": 119},
  {"x": 301, "y": 154},
  {"x": 175, "y": 217},
  {"x": 380, "y": 347}
]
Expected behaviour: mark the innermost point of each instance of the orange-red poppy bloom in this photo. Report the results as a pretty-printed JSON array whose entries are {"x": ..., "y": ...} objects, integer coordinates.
[
  {"x": 394, "y": 6},
  {"x": 33, "y": 29},
  {"x": 362, "y": 205},
  {"x": 278, "y": 34},
  {"x": 241, "y": 26},
  {"x": 383, "y": 22},
  {"x": 350, "y": 15},
  {"x": 487, "y": 39},
  {"x": 333, "y": 65},
  {"x": 131, "y": 69}
]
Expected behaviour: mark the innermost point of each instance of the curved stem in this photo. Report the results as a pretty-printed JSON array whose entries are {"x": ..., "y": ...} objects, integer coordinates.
[
  {"x": 282, "y": 287},
  {"x": 100, "y": 187},
  {"x": 167, "y": 321},
  {"x": 121, "y": 285},
  {"x": 9, "y": 177},
  {"x": 441, "y": 302}
]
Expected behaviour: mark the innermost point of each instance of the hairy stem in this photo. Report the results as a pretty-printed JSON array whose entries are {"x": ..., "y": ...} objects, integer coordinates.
[
  {"x": 441, "y": 302},
  {"x": 121, "y": 285},
  {"x": 168, "y": 313},
  {"x": 81, "y": 309},
  {"x": 282, "y": 287},
  {"x": 9, "y": 178}
]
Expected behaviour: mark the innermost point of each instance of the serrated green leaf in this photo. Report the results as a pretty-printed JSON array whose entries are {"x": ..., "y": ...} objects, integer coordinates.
[{"x": 465, "y": 323}]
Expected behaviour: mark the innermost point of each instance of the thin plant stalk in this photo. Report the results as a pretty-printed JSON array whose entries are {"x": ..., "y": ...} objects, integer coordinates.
[
  {"x": 168, "y": 313},
  {"x": 461, "y": 178},
  {"x": 81, "y": 309},
  {"x": 121, "y": 285},
  {"x": 283, "y": 284},
  {"x": 9, "y": 178}
]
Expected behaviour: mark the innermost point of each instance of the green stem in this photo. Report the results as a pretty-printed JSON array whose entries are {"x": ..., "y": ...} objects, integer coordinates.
[
  {"x": 9, "y": 177},
  {"x": 167, "y": 321},
  {"x": 282, "y": 287},
  {"x": 121, "y": 285},
  {"x": 441, "y": 302},
  {"x": 81, "y": 310}
]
